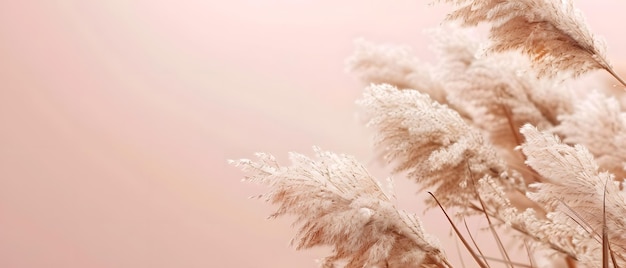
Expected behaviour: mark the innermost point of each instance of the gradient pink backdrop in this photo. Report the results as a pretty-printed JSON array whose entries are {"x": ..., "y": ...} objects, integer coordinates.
[{"x": 117, "y": 118}]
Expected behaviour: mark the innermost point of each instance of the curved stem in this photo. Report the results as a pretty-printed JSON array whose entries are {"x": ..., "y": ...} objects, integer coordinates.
[
  {"x": 458, "y": 233},
  {"x": 612, "y": 72}
]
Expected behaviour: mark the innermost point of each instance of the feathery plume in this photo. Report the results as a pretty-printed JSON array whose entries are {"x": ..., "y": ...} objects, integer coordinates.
[
  {"x": 456, "y": 49},
  {"x": 430, "y": 141},
  {"x": 599, "y": 124},
  {"x": 454, "y": 128},
  {"x": 460, "y": 58},
  {"x": 496, "y": 99},
  {"x": 551, "y": 32},
  {"x": 394, "y": 65},
  {"x": 337, "y": 203},
  {"x": 530, "y": 223},
  {"x": 575, "y": 186}
]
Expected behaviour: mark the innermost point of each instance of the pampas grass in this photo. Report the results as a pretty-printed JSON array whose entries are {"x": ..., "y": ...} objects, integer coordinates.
[
  {"x": 552, "y": 33},
  {"x": 494, "y": 134},
  {"x": 338, "y": 204}
]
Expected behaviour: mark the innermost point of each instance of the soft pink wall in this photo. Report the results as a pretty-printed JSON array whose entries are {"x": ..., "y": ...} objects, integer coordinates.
[{"x": 117, "y": 118}]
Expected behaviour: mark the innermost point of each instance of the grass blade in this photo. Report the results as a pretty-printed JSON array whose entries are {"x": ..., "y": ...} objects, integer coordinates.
[{"x": 458, "y": 233}]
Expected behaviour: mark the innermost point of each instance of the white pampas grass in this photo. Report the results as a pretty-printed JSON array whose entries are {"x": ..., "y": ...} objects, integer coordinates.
[
  {"x": 479, "y": 129},
  {"x": 576, "y": 191},
  {"x": 337, "y": 203},
  {"x": 599, "y": 124},
  {"x": 553, "y": 33},
  {"x": 430, "y": 141},
  {"x": 394, "y": 65}
]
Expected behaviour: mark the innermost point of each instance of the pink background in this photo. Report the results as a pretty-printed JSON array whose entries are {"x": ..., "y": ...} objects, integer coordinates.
[{"x": 117, "y": 117}]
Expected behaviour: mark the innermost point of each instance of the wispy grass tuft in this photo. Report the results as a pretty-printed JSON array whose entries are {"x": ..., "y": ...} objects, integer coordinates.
[{"x": 496, "y": 133}]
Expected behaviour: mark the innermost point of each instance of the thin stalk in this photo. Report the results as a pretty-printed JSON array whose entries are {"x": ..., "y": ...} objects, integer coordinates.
[
  {"x": 458, "y": 233},
  {"x": 607, "y": 67},
  {"x": 530, "y": 256},
  {"x": 458, "y": 251},
  {"x": 518, "y": 141},
  {"x": 493, "y": 230},
  {"x": 511, "y": 263},
  {"x": 515, "y": 227},
  {"x": 494, "y": 233},
  {"x": 610, "y": 70},
  {"x": 474, "y": 241},
  {"x": 606, "y": 247}
]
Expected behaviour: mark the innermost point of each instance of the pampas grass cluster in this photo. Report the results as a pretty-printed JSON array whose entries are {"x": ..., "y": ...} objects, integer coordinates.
[{"x": 497, "y": 129}]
